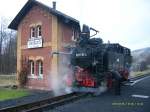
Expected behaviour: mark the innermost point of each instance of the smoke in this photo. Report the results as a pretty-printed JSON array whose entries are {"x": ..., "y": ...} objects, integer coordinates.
[{"x": 58, "y": 80}]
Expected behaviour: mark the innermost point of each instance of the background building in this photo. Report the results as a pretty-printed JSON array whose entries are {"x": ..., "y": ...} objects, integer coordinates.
[{"x": 41, "y": 31}]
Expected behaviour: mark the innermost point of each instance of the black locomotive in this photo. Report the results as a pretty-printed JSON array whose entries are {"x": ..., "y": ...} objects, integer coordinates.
[{"x": 97, "y": 65}]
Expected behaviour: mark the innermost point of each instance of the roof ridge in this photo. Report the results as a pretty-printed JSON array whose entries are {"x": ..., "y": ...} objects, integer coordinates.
[
  {"x": 30, "y": 3},
  {"x": 55, "y": 10}
]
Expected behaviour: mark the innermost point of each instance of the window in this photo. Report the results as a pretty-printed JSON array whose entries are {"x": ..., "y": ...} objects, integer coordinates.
[
  {"x": 74, "y": 34},
  {"x": 33, "y": 32},
  {"x": 39, "y": 32},
  {"x": 36, "y": 31},
  {"x": 32, "y": 68},
  {"x": 40, "y": 68}
]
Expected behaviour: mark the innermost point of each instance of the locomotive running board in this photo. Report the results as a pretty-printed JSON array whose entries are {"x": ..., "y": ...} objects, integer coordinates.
[{"x": 89, "y": 90}]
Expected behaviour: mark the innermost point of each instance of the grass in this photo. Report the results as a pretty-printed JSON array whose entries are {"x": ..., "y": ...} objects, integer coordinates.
[
  {"x": 139, "y": 73},
  {"x": 7, "y": 80},
  {"x": 8, "y": 93}
]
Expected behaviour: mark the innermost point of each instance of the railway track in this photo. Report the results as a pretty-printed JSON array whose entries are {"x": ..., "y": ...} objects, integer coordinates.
[
  {"x": 131, "y": 80},
  {"x": 45, "y": 104},
  {"x": 138, "y": 77},
  {"x": 49, "y": 103}
]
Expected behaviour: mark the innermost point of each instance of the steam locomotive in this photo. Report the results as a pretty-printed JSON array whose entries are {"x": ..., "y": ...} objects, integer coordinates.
[{"x": 98, "y": 66}]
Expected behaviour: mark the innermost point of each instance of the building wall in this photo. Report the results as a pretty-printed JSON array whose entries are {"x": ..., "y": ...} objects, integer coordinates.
[
  {"x": 65, "y": 34},
  {"x": 38, "y": 16},
  {"x": 54, "y": 34}
]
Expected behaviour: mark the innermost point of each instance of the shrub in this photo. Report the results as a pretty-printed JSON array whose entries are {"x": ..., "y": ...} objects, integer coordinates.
[{"x": 22, "y": 78}]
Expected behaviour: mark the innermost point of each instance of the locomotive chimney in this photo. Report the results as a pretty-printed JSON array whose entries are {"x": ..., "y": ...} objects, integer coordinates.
[{"x": 54, "y": 4}]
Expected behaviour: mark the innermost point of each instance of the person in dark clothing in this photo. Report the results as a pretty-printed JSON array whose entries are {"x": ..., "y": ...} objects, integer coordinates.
[
  {"x": 117, "y": 82},
  {"x": 117, "y": 87}
]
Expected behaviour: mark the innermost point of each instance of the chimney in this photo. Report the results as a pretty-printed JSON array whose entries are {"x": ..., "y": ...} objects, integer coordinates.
[{"x": 54, "y": 4}]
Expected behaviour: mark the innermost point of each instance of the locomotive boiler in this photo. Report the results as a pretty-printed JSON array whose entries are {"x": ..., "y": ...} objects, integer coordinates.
[{"x": 97, "y": 65}]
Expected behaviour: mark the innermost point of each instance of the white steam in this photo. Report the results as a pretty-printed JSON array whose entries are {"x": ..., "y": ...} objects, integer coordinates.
[{"x": 58, "y": 79}]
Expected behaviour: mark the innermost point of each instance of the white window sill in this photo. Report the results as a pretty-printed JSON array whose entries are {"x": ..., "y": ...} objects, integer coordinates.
[
  {"x": 39, "y": 36},
  {"x": 35, "y": 77},
  {"x": 32, "y": 37}
]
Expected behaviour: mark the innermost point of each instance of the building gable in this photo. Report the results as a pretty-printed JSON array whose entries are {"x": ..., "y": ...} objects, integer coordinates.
[
  {"x": 28, "y": 6},
  {"x": 34, "y": 18}
]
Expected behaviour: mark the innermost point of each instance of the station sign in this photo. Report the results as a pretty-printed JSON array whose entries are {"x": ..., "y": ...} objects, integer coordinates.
[{"x": 35, "y": 42}]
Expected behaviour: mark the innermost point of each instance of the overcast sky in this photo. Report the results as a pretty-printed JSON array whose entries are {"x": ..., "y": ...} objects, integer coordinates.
[{"x": 121, "y": 21}]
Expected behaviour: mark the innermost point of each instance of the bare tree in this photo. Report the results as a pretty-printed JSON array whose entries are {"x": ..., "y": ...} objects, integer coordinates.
[
  {"x": 7, "y": 49},
  {"x": 2, "y": 38}
]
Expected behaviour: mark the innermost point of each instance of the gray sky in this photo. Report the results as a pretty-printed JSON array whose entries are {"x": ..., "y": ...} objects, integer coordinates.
[{"x": 122, "y": 21}]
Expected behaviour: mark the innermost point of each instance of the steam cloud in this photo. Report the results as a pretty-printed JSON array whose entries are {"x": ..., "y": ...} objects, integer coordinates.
[{"x": 58, "y": 81}]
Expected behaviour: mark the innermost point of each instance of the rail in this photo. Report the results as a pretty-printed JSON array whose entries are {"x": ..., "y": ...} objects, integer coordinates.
[{"x": 44, "y": 104}]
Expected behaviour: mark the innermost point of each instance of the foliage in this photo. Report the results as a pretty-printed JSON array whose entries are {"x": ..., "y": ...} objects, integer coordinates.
[
  {"x": 143, "y": 66},
  {"x": 141, "y": 59},
  {"x": 8, "y": 93},
  {"x": 22, "y": 78},
  {"x": 8, "y": 46}
]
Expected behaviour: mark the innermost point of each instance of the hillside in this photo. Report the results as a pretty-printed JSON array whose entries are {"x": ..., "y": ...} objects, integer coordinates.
[
  {"x": 141, "y": 54},
  {"x": 141, "y": 59}
]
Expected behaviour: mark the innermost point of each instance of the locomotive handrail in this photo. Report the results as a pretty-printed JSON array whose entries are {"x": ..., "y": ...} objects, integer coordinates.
[
  {"x": 55, "y": 52},
  {"x": 96, "y": 31}
]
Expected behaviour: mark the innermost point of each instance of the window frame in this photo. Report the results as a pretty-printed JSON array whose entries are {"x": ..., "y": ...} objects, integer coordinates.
[
  {"x": 32, "y": 68},
  {"x": 40, "y": 68},
  {"x": 32, "y": 32},
  {"x": 74, "y": 34},
  {"x": 39, "y": 31}
]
